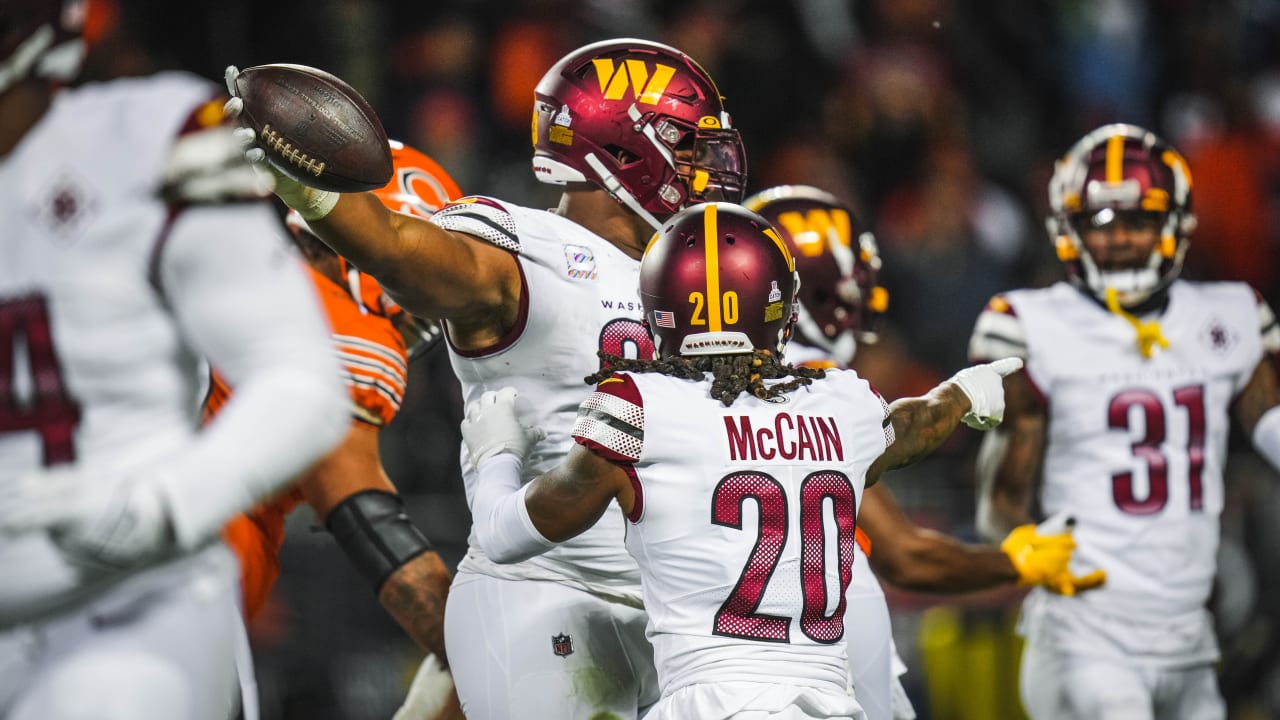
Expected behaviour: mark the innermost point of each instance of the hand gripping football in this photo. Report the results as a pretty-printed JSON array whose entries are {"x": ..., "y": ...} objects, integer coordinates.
[{"x": 314, "y": 127}]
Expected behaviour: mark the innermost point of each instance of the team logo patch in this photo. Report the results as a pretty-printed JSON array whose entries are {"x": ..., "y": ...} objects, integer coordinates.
[
  {"x": 664, "y": 318},
  {"x": 562, "y": 645},
  {"x": 66, "y": 206},
  {"x": 1218, "y": 337},
  {"x": 773, "y": 311},
  {"x": 633, "y": 75},
  {"x": 580, "y": 262}
]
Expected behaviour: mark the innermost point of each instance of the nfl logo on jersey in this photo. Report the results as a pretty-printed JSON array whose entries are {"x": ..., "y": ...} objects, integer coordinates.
[{"x": 562, "y": 645}]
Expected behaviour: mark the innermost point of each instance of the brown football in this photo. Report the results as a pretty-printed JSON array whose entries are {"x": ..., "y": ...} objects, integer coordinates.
[{"x": 315, "y": 128}]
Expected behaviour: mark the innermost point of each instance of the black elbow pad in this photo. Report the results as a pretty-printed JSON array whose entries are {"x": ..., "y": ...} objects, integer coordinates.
[{"x": 376, "y": 533}]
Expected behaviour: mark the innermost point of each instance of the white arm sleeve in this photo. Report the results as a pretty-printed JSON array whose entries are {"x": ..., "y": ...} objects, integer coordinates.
[
  {"x": 1266, "y": 436},
  {"x": 243, "y": 300},
  {"x": 503, "y": 527}
]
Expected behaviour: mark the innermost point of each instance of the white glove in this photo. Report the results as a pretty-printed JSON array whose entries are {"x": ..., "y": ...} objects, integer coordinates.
[
  {"x": 491, "y": 427},
  {"x": 311, "y": 203},
  {"x": 95, "y": 522},
  {"x": 984, "y": 386},
  {"x": 429, "y": 692}
]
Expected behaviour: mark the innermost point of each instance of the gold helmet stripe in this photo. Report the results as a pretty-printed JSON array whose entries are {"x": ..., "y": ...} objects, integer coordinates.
[
  {"x": 711, "y": 245},
  {"x": 1115, "y": 159}
]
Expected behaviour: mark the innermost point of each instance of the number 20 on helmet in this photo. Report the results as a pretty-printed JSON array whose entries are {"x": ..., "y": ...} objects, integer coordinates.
[{"x": 717, "y": 279}]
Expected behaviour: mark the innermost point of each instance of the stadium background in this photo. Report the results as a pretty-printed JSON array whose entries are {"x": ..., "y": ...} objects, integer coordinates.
[{"x": 938, "y": 120}]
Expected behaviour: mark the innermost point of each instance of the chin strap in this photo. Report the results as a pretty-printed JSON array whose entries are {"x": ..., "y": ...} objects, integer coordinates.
[{"x": 1149, "y": 332}]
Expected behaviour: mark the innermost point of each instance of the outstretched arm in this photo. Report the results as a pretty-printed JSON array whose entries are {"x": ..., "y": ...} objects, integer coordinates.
[
  {"x": 920, "y": 424},
  {"x": 432, "y": 272},
  {"x": 917, "y": 558}
]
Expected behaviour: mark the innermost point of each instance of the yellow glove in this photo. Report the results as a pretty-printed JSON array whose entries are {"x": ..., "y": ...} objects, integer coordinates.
[{"x": 1042, "y": 556}]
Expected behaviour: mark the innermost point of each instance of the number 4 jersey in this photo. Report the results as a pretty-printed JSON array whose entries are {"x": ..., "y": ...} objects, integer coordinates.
[
  {"x": 743, "y": 525},
  {"x": 1135, "y": 452}
]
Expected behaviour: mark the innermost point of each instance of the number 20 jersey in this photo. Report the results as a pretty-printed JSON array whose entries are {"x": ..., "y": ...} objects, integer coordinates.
[
  {"x": 1135, "y": 452},
  {"x": 743, "y": 524},
  {"x": 581, "y": 295}
]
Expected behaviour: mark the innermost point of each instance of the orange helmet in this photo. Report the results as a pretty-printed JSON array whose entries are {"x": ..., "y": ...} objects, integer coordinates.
[{"x": 419, "y": 186}]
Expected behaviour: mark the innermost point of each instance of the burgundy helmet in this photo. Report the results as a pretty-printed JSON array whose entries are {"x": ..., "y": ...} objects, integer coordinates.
[
  {"x": 839, "y": 265},
  {"x": 718, "y": 280},
  {"x": 641, "y": 120},
  {"x": 1114, "y": 171},
  {"x": 40, "y": 38}
]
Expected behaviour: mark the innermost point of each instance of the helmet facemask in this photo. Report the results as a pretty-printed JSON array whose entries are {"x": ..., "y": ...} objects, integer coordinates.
[{"x": 1121, "y": 175}]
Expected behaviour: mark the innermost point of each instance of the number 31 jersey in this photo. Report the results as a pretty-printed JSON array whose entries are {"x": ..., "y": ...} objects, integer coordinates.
[
  {"x": 743, "y": 525},
  {"x": 1135, "y": 452}
]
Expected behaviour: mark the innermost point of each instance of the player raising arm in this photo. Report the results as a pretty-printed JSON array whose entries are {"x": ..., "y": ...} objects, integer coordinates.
[
  {"x": 734, "y": 470},
  {"x": 1122, "y": 415},
  {"x": 634, "y": 131}
]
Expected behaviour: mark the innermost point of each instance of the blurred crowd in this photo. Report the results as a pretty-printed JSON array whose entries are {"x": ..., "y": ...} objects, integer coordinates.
[{"x": 937, "y": 120}]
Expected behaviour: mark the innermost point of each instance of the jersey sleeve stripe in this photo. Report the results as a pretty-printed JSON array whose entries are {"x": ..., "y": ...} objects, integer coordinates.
[
  {"x": 613, "y": 423},
  {"x": 358, "y": 343},
  {"x": 388, "y": 393},
  {"x": 482, "y": 218},
  {"x": 358, "y": 365}
]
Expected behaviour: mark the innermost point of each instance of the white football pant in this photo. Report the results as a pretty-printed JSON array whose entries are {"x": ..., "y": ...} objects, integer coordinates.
[
  {"x": 158, "y": 646},
  {"x": 1057, "y": 686},
  {"x": 537, "y": 650}
]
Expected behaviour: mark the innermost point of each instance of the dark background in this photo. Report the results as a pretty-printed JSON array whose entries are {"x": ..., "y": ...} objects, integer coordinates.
[{"x": 938, "y": 120}]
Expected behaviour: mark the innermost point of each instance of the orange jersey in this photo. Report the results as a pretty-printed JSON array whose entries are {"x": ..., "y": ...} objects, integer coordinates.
[{"x": 375, "y": 366}]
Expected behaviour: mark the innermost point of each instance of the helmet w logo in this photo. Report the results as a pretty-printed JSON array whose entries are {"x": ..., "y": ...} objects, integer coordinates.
[{"x": 632, "y": 74}]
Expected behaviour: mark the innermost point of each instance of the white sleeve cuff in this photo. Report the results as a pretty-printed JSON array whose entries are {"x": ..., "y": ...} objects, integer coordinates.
[
  {"x": 1266, "y": 436},
  {"x": 503, "y": 527}
]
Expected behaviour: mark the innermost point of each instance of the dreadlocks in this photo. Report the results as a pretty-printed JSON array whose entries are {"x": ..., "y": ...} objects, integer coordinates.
[{"x": 732, "y": 374}]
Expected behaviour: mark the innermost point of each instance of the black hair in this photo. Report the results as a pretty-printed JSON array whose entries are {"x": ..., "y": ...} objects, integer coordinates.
[{"x": 733, "y": 374}]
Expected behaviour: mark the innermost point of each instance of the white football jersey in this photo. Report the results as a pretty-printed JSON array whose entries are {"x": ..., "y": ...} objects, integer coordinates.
[
  {"x": 1135, "y": 450},
  {"x": 97, "y": 364},
  {"x": 743, "y": 525},
  {"x": 582, "y": 296}
]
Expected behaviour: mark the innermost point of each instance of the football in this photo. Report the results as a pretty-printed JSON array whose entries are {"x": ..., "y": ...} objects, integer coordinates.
[{"x": 315, "y": 128}]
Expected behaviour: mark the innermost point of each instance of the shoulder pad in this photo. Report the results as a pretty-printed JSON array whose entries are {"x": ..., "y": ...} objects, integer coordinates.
[
  {"x": 482, "y": 217},
  {"x": 611, "y": 420},
  {"x": 998, "y": 333}
]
